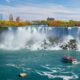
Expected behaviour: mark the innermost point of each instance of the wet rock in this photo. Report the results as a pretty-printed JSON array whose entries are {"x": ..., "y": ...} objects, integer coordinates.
[{"x": 71, "y": 45}]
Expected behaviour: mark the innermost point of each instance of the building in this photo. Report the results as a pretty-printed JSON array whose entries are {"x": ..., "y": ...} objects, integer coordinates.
[
  {"x": 50, "y": 18},
  {"x": 10, "y": 17},
  {"x": 18, "y": 19},
  {"x": 1, "y": 16}
]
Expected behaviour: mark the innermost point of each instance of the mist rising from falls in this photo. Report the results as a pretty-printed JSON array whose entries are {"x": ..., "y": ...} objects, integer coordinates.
[
  {"x": 25, "y": 37},
  {"x": 38, "y": 38}
]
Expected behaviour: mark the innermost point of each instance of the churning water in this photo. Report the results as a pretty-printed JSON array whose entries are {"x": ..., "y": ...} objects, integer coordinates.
[{"x": 39, "y": 65}]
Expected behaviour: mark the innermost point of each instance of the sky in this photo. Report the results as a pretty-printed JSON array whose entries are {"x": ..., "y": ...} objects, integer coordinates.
[{"x": 41, "y": 9}]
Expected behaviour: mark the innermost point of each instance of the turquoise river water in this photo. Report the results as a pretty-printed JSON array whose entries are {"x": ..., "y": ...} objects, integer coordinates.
[{"x": 39, "y": 65}]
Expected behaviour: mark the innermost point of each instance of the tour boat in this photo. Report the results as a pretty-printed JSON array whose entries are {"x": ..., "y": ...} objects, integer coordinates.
[
  {"x": 67, "y": 59},
  {"x": 23, "y": 75}
]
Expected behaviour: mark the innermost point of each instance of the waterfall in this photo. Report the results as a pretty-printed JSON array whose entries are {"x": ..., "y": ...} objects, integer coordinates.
[
  {"x": 68, "y": 36},
  {"x": 25, "y": 37},
  {"x": 37, "y": 38}
]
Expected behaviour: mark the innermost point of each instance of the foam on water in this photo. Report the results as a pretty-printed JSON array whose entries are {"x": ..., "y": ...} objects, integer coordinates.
[
  {"x": 52, "y": 73},
  {"x": 49, "y": 71},
  {"x": 64, "y": 77},
  {"x": 13, "y": 65},
  {"x": 20, "y": 67}
]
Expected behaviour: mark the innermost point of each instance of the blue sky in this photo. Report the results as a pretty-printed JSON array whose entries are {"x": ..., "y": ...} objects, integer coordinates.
[{"x": 41, "y": 9}]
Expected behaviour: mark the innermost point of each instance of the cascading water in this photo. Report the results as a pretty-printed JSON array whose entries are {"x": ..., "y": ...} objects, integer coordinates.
[
  {"x": 68, "y": 36},
  {"x": 35, "y": 38},
  {"x": 25, "y": 37}
]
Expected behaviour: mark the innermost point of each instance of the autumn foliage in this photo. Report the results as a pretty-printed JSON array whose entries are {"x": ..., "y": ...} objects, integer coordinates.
[
  {"x": 62, "y": 23},
  {"x": 53, "y": 23},
  {"x": 13, "y": 23}
]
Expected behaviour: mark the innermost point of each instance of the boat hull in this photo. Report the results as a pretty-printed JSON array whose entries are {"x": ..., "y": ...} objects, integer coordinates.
[{"x": 69, "y": 60}]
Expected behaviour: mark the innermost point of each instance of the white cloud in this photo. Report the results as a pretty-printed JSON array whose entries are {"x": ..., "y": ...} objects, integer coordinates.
[
  {"x": 8, "y": 1},
  {"x": 41, "y": 12}
]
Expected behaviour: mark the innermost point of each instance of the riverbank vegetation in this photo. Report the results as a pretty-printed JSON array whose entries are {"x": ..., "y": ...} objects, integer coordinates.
[
  {"x": 5, "y": 23},
  {"x": 60, "y": 23},
  {"x": 53, "y": 23}
]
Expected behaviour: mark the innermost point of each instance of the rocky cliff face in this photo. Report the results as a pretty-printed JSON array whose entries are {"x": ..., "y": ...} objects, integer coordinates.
[{"x": 71, "y": 45}]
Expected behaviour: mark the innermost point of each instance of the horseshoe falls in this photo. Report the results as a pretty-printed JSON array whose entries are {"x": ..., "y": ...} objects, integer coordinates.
[{"x": 37, "y": 51}]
